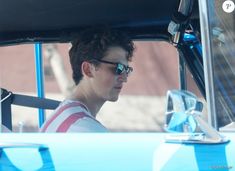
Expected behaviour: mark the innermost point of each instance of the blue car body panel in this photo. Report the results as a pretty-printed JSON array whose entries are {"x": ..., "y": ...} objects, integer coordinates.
[{"x": 114, "y": 151}]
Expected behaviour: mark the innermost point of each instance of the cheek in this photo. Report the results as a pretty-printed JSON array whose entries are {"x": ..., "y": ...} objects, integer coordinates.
[
  {"x": 106, "y": 80},
  {"x": 109, "y": 80}
]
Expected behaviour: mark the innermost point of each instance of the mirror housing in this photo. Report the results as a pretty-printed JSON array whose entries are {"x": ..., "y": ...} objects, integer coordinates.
[
  {"x": 179, "y": 102},
  {"x": 183, "y": 115}
]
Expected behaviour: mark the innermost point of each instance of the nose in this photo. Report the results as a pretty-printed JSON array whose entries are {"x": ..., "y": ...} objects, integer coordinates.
[{"x": 123, "y": 77}]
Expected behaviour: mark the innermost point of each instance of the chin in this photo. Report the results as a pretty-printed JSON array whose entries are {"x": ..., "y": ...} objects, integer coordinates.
[{"x": 113, "y": 99}]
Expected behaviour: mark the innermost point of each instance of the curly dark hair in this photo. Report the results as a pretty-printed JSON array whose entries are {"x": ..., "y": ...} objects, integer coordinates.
[{"x": 94, "y": 43}]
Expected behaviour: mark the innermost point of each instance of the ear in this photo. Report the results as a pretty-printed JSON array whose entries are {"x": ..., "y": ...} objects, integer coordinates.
[{"x": 87, "y": 69}]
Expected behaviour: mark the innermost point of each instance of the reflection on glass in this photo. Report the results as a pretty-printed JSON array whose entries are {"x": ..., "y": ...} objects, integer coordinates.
[{"x": 222, "y": 26}]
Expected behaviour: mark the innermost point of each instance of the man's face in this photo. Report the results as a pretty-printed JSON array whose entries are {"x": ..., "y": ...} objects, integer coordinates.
[{"x": 107, "y": 83}]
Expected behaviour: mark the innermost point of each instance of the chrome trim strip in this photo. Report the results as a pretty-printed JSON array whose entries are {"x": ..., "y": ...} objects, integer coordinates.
[
  {"x": 182, "y": 73},
  {"x": 207, "y": 62}
]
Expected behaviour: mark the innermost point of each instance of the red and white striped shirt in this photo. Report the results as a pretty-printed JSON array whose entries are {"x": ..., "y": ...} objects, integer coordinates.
[{"x": 72, "y": 116}]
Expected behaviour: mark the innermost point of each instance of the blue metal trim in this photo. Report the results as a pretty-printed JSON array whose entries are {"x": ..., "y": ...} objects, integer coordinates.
[
  {"x": 39, "y": 78},
  {"x": 189, "y": 37},
  {"x": 199, "y": 48},
  {"x": 192, "y": 38}
]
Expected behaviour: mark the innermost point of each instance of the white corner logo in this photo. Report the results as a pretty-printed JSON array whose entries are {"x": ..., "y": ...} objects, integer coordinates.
[{"x": 228, "y": 6}]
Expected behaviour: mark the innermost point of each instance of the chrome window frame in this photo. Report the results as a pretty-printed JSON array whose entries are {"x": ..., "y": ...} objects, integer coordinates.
[{"x": 207, "y": 62}]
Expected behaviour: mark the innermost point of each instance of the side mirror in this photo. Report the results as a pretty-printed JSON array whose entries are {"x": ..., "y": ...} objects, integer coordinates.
[
  {"x": 183, "y": 115},
  {"x": 179, "y": 102}
]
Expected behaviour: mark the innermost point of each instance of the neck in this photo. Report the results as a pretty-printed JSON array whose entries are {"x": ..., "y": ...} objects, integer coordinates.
[{"x": 88, "y": 98}]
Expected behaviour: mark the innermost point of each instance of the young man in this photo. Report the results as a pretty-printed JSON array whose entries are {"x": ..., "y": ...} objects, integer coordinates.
[{"x": 99, "y": 59}]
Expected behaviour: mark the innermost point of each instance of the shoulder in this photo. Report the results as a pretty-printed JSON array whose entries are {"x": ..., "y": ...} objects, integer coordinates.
[
  {"x": 87, "y": 124},
  {"x": 65, "y": 114},
  {"x": 67, "y": 108},
  {"x": 72, "y": 116},
  {"x": 66, "y": 104}
]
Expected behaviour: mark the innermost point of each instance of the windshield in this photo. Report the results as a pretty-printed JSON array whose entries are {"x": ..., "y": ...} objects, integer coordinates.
[{"x": 221, "y": 19}]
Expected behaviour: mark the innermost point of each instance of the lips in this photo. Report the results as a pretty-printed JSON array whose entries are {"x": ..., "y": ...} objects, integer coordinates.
[{"x": 118, "y": 87}]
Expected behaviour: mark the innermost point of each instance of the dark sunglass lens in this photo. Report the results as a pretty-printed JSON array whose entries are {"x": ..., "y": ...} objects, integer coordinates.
[
  {"x": 129, "y": 70},
  {"x": 120, "y": 69}
]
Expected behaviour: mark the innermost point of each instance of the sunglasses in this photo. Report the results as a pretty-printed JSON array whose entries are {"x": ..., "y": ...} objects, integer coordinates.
[{"x": 119, "y": 67}]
